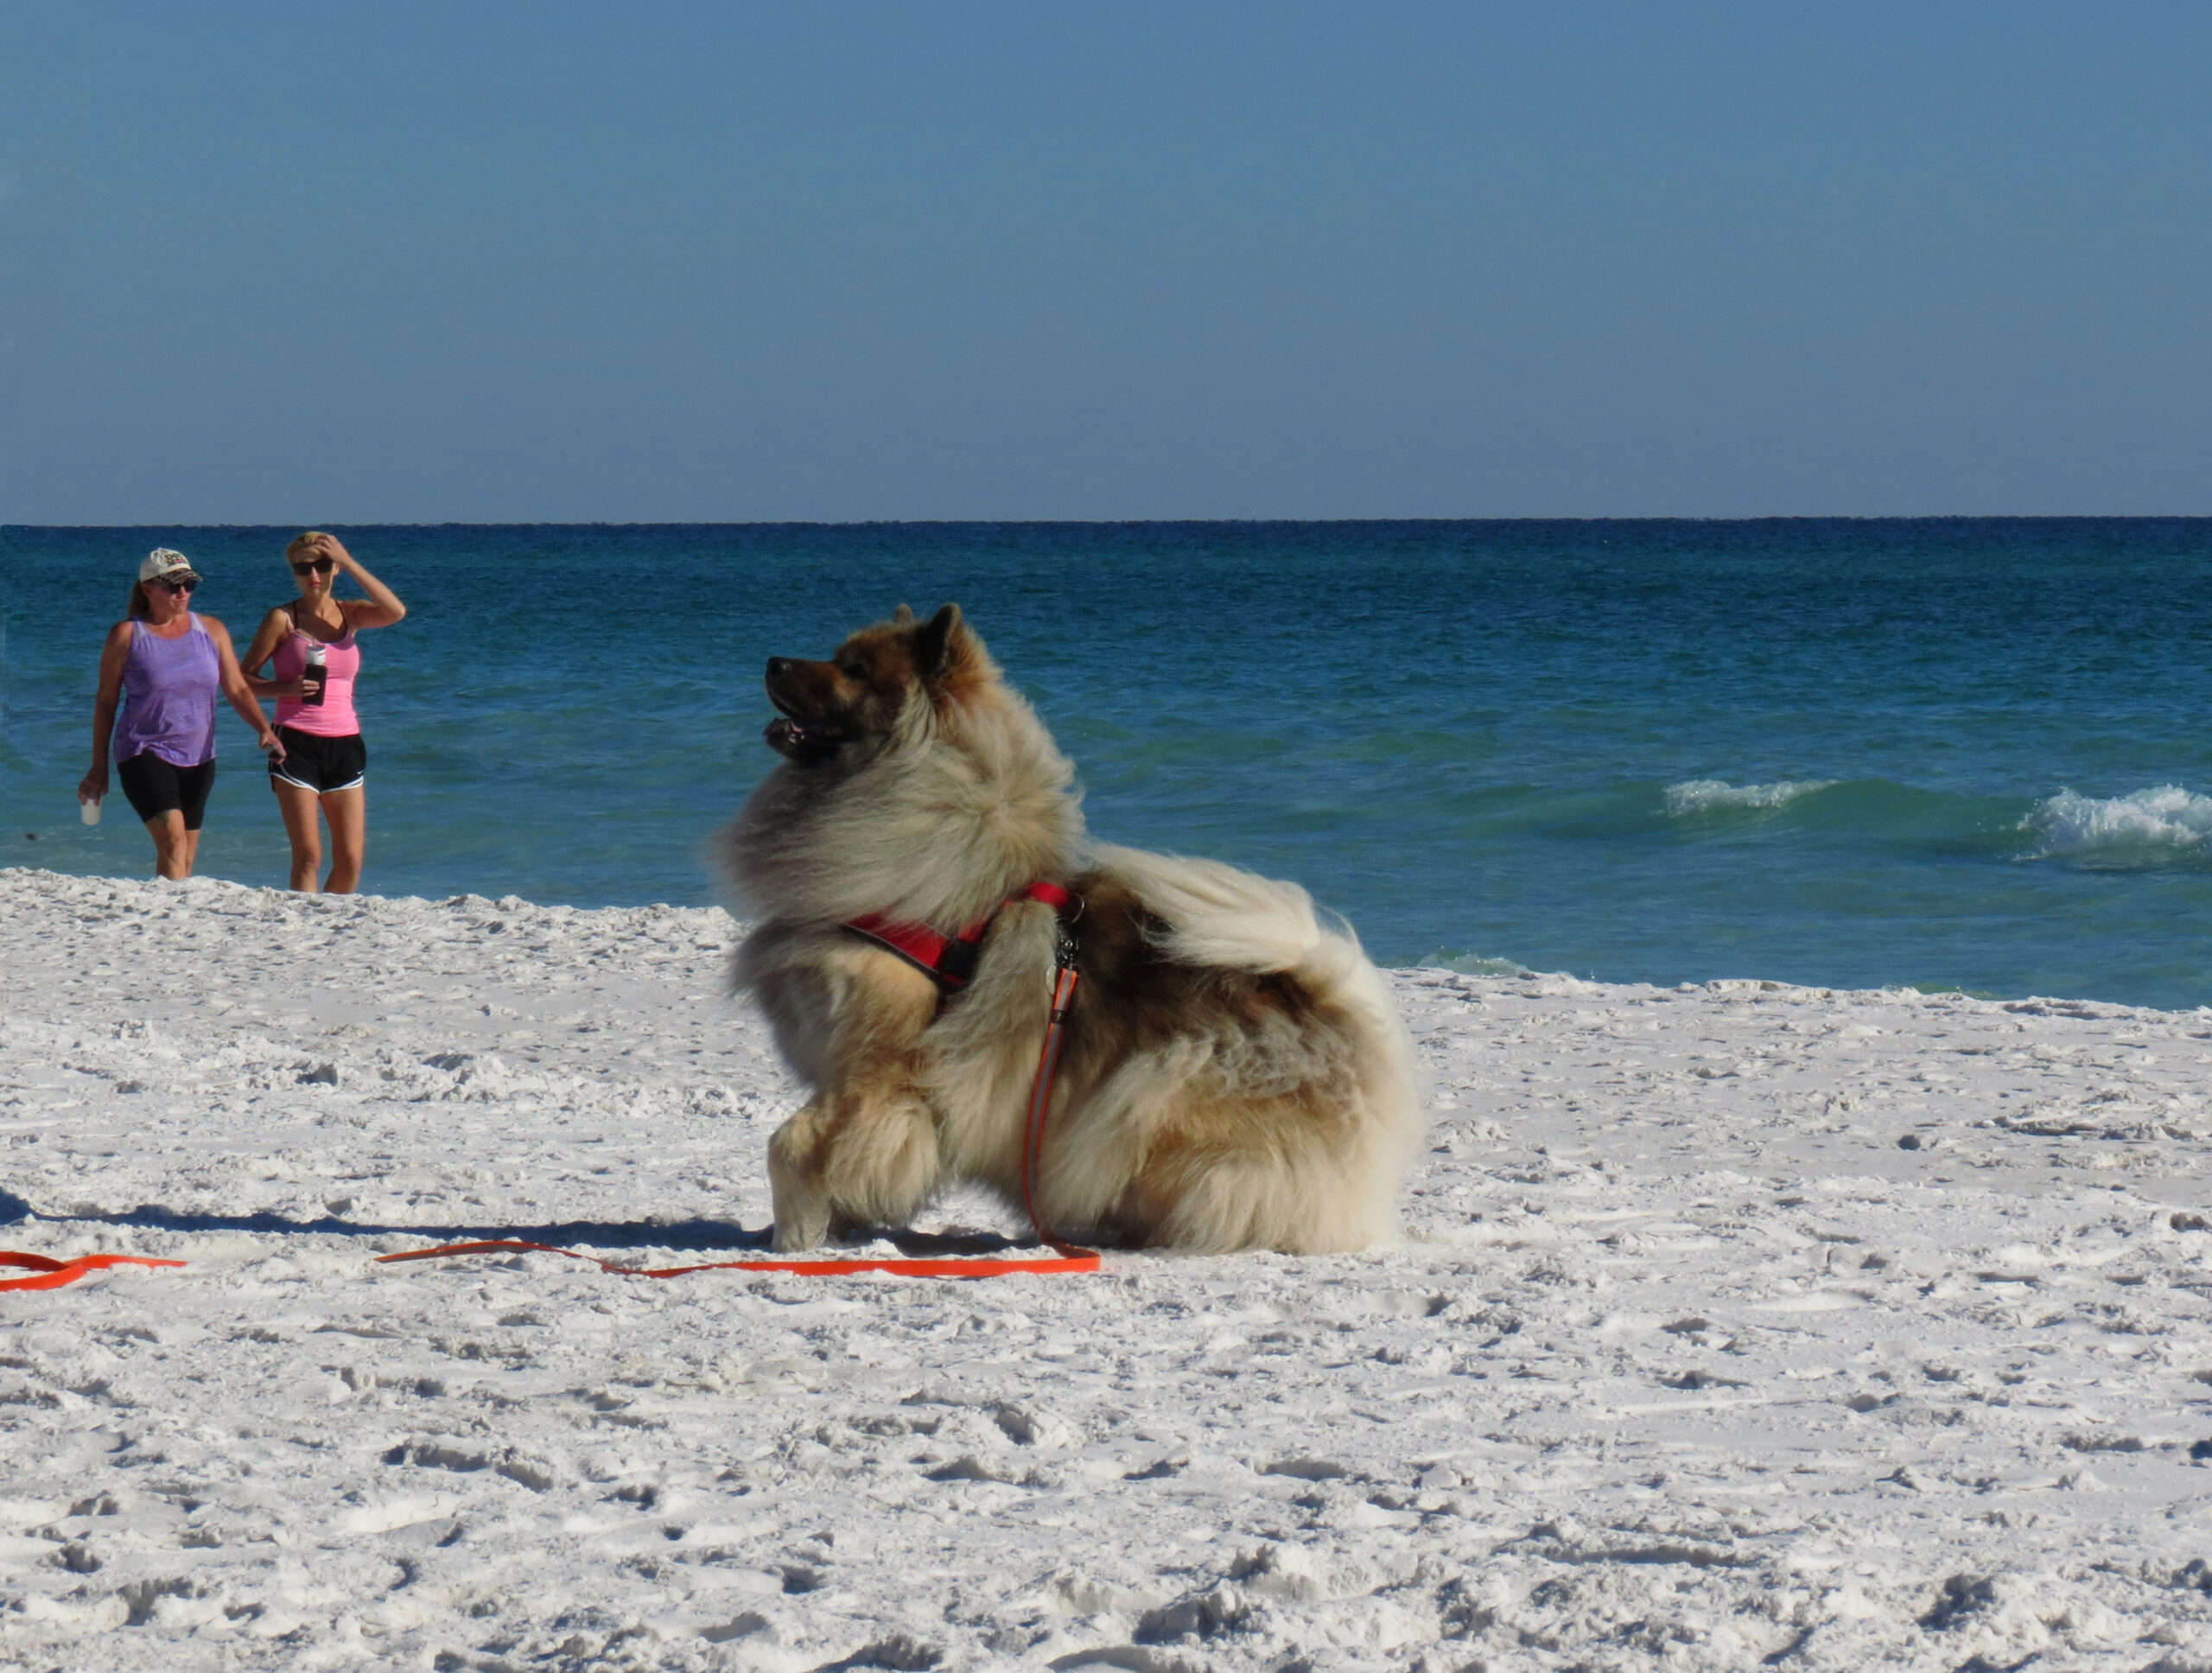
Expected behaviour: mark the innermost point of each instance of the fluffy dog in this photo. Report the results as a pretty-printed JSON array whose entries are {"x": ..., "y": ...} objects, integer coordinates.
[{"x": 1233, "y": 1075}]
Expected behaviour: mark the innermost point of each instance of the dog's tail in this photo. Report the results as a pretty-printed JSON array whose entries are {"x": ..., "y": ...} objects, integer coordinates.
[
  {"x": 1359, "y": 1062},
  {"x": 1220, "y": 917}
]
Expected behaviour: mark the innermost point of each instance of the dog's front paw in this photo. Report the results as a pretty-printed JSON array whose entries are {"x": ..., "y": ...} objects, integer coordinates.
[{"x": 795, "y": 1237}]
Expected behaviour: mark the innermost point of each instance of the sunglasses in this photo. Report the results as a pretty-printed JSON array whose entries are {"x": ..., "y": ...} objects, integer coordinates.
[
  {"x": 184, "y": 586},
  {"x": 317, "y": 566}
]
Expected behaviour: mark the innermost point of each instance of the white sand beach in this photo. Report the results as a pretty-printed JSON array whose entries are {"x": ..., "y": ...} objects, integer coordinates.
[{"x": 1685, "y": 1362}]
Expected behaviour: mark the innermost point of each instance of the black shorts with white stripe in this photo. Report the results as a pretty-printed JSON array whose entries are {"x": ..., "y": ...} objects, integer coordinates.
[{"x": 319, "y": 764}]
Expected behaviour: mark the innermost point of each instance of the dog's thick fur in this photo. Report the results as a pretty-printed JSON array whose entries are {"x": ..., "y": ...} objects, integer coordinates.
[{"x": 1233, "y": 1075}]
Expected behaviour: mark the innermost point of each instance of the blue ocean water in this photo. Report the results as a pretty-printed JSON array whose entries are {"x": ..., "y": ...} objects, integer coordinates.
[{"x": 1954, "y": 753}]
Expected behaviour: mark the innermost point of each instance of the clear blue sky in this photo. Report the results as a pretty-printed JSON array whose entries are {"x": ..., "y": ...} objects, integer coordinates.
[{"x": 546, "y": 261}]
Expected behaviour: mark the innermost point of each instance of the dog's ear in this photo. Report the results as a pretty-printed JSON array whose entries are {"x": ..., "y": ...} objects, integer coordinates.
[
  {"x": 902, "y": 617},
  {"x": 936, "y": 644}
]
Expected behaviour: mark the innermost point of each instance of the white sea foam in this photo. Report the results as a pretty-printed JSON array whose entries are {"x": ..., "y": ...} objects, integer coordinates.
[
  {"x": 1700, "y": 795},
  {"x": 2166, "y": 817},
  {"x": 1469, "y": 964}
]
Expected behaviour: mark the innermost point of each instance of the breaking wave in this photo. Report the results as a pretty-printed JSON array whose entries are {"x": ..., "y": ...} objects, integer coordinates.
[
  {"x": 1702, "y": 795},
  {"x": 2167, "y": 816},
  {"x": 1468, "y": 963}
]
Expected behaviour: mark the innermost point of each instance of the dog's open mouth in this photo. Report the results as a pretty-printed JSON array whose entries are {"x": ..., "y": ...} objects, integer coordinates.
[{"x": 800, "y": 739}]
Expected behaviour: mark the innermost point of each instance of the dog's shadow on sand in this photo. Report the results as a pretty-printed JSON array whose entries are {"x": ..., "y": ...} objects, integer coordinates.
[{"x": 691, "y": 1236}]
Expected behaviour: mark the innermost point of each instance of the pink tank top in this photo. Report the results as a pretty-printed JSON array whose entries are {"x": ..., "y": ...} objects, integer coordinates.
[{"x": 334, "y": 717}]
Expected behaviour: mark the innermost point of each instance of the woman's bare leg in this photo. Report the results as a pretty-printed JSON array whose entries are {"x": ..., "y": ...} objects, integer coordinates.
[
  {"x": 174, "y": 846},
  {"x": 298, "y": 807},
  {"x": 347, "y": 810}
]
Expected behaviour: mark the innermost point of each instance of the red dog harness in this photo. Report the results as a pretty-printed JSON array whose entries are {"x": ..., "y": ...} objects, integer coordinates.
[{"x": 947, "y": 960}]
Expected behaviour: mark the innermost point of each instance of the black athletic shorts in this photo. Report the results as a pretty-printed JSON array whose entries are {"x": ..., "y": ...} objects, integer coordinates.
[
  {"x": 156, "y": 786},
  {"x": 319, "y": 764}
]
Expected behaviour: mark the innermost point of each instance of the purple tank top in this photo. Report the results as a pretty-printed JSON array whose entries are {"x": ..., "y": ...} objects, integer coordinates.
[{"x": 169, "y": 696}]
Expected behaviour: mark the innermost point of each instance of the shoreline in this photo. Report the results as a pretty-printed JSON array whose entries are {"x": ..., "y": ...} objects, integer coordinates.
[
  {"x": 1475, "y": 968},
  {"x": 1679, "y": 1335}
]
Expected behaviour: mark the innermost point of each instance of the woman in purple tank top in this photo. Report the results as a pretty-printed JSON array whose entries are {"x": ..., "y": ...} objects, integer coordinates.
[{"x": 163, "y": 666}]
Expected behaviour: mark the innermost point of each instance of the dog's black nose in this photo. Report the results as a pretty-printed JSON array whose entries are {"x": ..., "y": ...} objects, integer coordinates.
[{"x": 777, "y": 665}]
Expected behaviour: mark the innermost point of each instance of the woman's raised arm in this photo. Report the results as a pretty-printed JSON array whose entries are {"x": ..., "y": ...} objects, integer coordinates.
[{"x": 381, "y": 608}]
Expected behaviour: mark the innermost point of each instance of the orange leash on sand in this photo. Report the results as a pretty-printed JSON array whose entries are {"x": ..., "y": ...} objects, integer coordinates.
[
  {"x": 53, "y": 1274},
  {"x": 827, "y": 1268},
  {"x": 1069, "y": 1257}
]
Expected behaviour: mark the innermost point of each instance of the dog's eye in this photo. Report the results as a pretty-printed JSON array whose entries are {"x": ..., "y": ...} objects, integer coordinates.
[{"x": 854, "y": 671}]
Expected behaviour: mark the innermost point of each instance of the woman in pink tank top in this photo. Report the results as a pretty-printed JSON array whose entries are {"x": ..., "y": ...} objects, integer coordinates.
[{"x": 311, "y": 641}]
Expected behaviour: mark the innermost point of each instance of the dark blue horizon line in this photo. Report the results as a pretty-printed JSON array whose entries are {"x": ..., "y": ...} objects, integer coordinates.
[{"x": 1181, "y": 521}]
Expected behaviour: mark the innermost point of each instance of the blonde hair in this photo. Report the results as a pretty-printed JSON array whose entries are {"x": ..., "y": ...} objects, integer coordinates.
[{"x": 302, "y": 542}]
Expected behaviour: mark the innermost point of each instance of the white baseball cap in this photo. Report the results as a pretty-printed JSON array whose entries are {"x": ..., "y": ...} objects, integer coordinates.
[{"x": 162, "y": 564}]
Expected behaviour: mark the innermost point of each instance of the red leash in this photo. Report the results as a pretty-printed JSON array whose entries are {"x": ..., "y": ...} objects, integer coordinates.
[
  {"x": 1064, "y": 977},
  {"x": 1069, "y": 1257},
  {"x": 827, "y": 1269},
  {"x": 53, "y": 1274}
]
